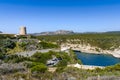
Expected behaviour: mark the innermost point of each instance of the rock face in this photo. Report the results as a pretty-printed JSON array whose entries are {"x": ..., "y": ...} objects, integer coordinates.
[
  {"x": 54, "y": 33},
  {"x": 90, "y": 49}
]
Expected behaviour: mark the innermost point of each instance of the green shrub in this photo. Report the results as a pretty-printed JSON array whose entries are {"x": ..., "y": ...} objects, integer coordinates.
[
  {"x": 60, "y": 69},
  {"x": 2, "y": 55},
  {"x": 113, "y": 68},
  {"x": 32, "y": 64},
  {"x": 23, "y": 45},
  {"x": 9, "y": 44},
  {"x": 15, "y": 58},
  {"x": 62, "y": 63},
  {"x": 41, "y": 57},
  {"x": 46, "y": 45},
  {"x": 41, "y": 68}
]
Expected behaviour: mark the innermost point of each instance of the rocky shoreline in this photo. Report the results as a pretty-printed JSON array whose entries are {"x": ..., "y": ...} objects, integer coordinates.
[
  {"x": 90, "y": 49},
  {"x": 90, "y": 67}
]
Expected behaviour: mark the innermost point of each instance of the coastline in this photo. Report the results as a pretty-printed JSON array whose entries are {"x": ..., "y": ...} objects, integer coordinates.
[
  {"x": 90, "y": 49},
  {"x": 113, "y": 53}
]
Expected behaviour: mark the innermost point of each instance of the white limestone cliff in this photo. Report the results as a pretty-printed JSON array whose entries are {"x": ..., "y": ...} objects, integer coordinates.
[{"x": 90, "y": 49}]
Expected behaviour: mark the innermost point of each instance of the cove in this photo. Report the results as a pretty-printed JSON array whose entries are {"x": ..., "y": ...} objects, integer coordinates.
[{"x": 97, "y": 59}]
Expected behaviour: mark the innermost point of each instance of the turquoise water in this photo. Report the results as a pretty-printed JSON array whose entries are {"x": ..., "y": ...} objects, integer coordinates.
[{"x": 97, "y": 59}]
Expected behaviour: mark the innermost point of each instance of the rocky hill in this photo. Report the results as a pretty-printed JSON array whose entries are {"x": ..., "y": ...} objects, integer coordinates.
[{"x": 60, "y": 32}]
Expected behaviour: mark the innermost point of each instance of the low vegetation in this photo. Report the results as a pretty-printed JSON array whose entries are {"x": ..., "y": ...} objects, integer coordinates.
[
  {"x": 105, "y": 41},
  {"x": 11, "y": 46},
  {"x": 47, "y": 45},
  {"x": 17, "y": 67}
]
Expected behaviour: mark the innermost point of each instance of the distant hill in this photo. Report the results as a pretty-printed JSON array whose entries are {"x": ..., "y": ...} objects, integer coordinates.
[
  {"x": 59, "y": 32},
  {"x": 108, "y": 32},
  {"x": 0, "y": 31},
  {"x": 113, "y": 32}
]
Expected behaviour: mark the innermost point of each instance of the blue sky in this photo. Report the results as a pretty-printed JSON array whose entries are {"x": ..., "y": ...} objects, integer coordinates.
[{"x": 51, "y": 15}]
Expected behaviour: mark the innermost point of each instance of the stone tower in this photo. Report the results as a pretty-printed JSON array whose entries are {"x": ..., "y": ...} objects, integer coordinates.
[{"x": 23, "y": 30}]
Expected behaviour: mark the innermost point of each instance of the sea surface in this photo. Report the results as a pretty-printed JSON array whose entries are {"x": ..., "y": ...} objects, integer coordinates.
[{"x": 97, "y": 59}]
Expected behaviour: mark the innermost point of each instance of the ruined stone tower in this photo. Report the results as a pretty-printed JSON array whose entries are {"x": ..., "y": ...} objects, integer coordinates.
[{"x": 23, "y": 30}]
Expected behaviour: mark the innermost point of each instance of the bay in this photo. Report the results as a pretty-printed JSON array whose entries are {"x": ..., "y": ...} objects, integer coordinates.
[{"x": 97, "y": 59}]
